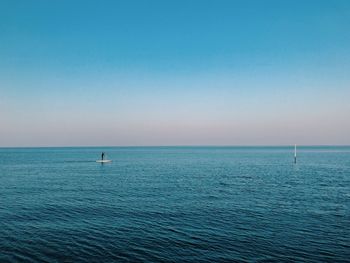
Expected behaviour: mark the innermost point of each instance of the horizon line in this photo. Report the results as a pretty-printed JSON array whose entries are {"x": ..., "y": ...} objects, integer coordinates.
[{"x": 184, "y": 146}]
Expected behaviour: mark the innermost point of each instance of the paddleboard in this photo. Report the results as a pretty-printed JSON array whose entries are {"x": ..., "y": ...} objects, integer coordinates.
[{"x": 103, "y": 161}]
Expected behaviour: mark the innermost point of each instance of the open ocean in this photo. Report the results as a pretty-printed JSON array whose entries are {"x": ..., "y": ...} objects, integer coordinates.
[{"x": 175, "y": 204}]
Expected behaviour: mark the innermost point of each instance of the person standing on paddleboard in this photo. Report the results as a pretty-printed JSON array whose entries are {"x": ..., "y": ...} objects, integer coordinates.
[{"x": 102, "y": 155}]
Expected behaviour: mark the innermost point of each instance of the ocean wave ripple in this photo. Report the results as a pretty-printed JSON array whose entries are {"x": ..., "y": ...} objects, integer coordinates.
[{"x": 174, "y": 205}]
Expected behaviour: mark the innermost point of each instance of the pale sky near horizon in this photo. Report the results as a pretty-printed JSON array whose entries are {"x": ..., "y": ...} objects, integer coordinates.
[{"x": 80, "y": 73}]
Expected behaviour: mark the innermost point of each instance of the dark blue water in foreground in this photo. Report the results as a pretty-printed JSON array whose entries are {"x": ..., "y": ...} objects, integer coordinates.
[{"x": 175, "y": 204}]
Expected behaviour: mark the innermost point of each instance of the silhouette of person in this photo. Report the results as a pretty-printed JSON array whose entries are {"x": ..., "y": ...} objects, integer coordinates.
[{"x": 102, "y": 155}]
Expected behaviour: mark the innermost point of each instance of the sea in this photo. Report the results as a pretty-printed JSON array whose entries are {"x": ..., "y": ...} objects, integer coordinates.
[{"x": 175, "y": 204}]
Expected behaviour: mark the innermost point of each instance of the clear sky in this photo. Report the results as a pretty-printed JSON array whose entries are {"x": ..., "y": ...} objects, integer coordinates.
[{"x": 164, "y": 72}]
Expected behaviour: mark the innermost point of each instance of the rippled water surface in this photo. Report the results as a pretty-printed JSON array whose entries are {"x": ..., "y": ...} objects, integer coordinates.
[{"x": 175, "y": 204}]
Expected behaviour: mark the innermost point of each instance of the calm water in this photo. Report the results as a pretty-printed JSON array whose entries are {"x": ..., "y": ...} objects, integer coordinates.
[{"x": 175, "y": 204}]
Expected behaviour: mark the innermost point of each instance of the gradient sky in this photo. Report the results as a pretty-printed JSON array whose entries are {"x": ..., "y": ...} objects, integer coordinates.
[{"x": 174, "y": 72}]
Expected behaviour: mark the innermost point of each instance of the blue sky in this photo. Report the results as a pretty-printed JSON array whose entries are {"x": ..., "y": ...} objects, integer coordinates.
[{"x": 174, "y": 72}]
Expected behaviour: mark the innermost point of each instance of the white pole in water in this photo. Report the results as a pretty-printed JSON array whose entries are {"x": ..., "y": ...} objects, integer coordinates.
[{"x": 295, "y": 153}]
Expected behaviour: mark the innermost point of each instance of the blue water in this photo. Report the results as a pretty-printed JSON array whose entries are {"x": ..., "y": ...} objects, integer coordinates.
[{"x": 175, "y": 204}]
